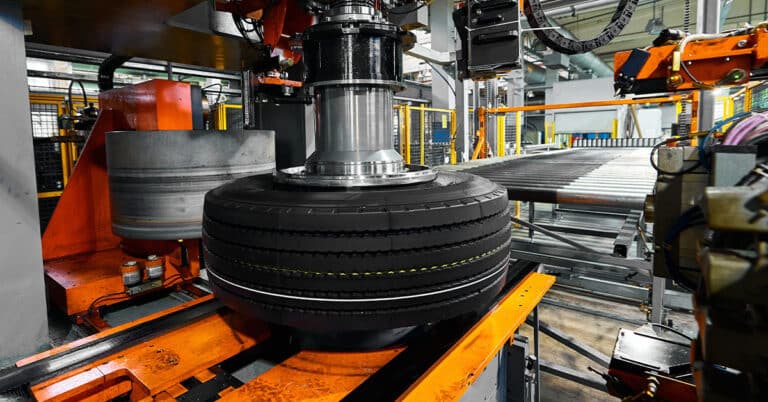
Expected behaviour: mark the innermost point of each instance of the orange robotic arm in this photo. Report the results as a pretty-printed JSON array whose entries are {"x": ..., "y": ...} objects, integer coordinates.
[
  {"x": 694, "y": 62},
  {"x": 280, "y": 19}
]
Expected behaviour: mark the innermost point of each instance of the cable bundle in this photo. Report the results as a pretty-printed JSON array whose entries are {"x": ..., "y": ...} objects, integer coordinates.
[{"x": 749, "y": 131}]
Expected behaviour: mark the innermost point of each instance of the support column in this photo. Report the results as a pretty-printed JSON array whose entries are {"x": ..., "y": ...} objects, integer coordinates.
[
  {"x": 707, "y": 21},
  {"x": 23, "y": 320},
  {"x": 463, "y": 126},
  {"x": 552, "y": 76},
  {"x": 516, "y": 96},
  {"x": 443, "y": 40},
  {"x": 491, "y": 101}
]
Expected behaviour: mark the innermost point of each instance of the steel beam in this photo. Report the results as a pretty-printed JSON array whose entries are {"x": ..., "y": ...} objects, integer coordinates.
[
  {"x": 626, "y": 237},
  {"x": 596, "y": 313},
  {"x": 560, "y": 336},
  {"x": 586, "y": 379},
  {"x": 708, "y": 21},
  {"x": 567, "y": 257}
]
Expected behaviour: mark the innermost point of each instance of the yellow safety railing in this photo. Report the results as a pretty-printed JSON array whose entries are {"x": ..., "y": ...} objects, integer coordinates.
[
  {"x": 549, "y": 127},
  {"x": 220, "y": 118},
  {"x": 68, "y": 151},
  {"x": 447, "y": 119}
]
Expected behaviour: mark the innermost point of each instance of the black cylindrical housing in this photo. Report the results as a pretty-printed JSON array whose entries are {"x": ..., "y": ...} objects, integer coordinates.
[{"x": 367, "y": 53}]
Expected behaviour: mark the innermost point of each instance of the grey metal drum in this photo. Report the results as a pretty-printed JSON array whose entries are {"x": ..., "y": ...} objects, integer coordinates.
[{"x": 157, "y": 179}]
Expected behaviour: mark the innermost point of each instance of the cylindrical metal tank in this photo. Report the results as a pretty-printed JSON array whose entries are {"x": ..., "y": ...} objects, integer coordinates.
[{"x": 157, "y": 179}]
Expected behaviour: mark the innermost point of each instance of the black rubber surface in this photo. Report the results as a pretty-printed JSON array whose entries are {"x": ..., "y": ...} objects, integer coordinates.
[{"x": 351, "y": 260}]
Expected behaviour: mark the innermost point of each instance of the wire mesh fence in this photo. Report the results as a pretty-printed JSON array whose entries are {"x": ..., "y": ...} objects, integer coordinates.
[{"x": 425, "y": 136}]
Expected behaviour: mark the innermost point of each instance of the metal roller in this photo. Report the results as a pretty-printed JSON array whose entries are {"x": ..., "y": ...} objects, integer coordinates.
[{"x": 157, "y": 179}]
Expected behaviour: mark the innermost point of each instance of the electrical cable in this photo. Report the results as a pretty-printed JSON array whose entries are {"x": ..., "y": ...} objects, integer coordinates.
[
  {"x": 69, "y": 96},
  {"x": 102, "y": 298},
  {"x": 440, "y": 74},
  {"x": 221, "y": 89},
  {"x": 423, "y": 4},
  {"x": 239, "y": 20},
  {"x": 168, "y": 281},
  {"x": 703, "y": 144},
  {"x": 689, "y": 219},
  {"x": 656, "y": 167},
  {"x": 537, "y": 19},
  {"x": 670, "y": 329}
]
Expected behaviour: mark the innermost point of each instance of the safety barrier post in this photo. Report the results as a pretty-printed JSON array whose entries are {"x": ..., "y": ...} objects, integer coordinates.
[
  {"x": 615, "y": 130},
  {"x": 407, "y": 128},
  {"x": 553, "y": 131},
  {"x": 518, "y": 132},
  {"x": 480, "y": 134},
  {"x": 501, "y": 146},
  {"x": 453, "y": 137},
  {"x": 421, "y": 133}
]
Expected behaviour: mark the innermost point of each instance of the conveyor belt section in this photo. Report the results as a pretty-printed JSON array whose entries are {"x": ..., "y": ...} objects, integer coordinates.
[{"x": 612, "y": 177}]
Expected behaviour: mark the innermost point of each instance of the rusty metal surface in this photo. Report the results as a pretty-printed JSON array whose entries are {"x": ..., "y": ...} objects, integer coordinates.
[
  {"x": 315, "y": 376},
  {"x": 159, "y": 365}
]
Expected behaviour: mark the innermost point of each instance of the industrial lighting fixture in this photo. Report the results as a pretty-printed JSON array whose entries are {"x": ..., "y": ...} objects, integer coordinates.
[{"x": 655, "y": 25}]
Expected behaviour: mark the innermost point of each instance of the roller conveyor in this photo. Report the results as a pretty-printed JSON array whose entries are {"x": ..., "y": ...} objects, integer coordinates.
[{"x": 615, "y": 177}]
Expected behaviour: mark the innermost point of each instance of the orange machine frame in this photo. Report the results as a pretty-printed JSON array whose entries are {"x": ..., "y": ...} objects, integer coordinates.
[
  {"x": 155, "y": 369},
  {"x": 82, "y": 257},
  {"x": 710, "y": 61}
]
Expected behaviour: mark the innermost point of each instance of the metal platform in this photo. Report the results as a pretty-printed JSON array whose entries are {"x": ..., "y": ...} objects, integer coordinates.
[{"x": 203, "y": 351}]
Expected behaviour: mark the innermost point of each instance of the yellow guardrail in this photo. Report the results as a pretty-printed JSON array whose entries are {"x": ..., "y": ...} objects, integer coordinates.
[
  {"x": 220, "y": 119},
  {"x": 68, "y": 150},
  {"x": 549, "y": 127}
]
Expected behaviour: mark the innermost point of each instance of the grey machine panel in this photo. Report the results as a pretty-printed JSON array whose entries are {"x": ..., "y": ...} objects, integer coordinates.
[{"x": 158, "y": 179}]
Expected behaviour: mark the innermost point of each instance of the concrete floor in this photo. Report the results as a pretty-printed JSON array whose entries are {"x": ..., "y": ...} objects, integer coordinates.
[{"x": 598, "y": 332}]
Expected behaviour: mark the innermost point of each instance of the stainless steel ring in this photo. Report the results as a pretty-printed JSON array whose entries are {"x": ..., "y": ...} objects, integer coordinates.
[{"x": 412, "y": 174}]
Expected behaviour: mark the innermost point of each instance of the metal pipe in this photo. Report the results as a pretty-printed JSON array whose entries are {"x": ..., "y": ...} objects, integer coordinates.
[{"x": 576, "y": 376}]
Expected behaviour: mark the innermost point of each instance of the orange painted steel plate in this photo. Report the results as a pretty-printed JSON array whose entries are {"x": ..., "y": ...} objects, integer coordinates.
[
  {"x": 450, "y": 377},
  {"x": 74, "y": 283},
  {"x": 111, "y": 331},
  {"x": 314, "y": 376},
  {"x": 161, "y": 363}
]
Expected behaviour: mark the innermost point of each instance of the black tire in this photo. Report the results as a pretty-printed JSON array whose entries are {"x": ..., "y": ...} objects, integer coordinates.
[{"x": 329, "y": 260}]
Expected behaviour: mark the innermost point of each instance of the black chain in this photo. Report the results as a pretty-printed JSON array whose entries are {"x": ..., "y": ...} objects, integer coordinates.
[{"x": 555, "y": 40}]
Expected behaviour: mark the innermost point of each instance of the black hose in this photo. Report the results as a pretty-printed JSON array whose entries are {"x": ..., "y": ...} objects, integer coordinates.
[
  {"x": 674, "y": 331},
  {"x": 71, "y": 109},
  {"x": 681, "y": 172},
  {"x": 107, "y": 71}
]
